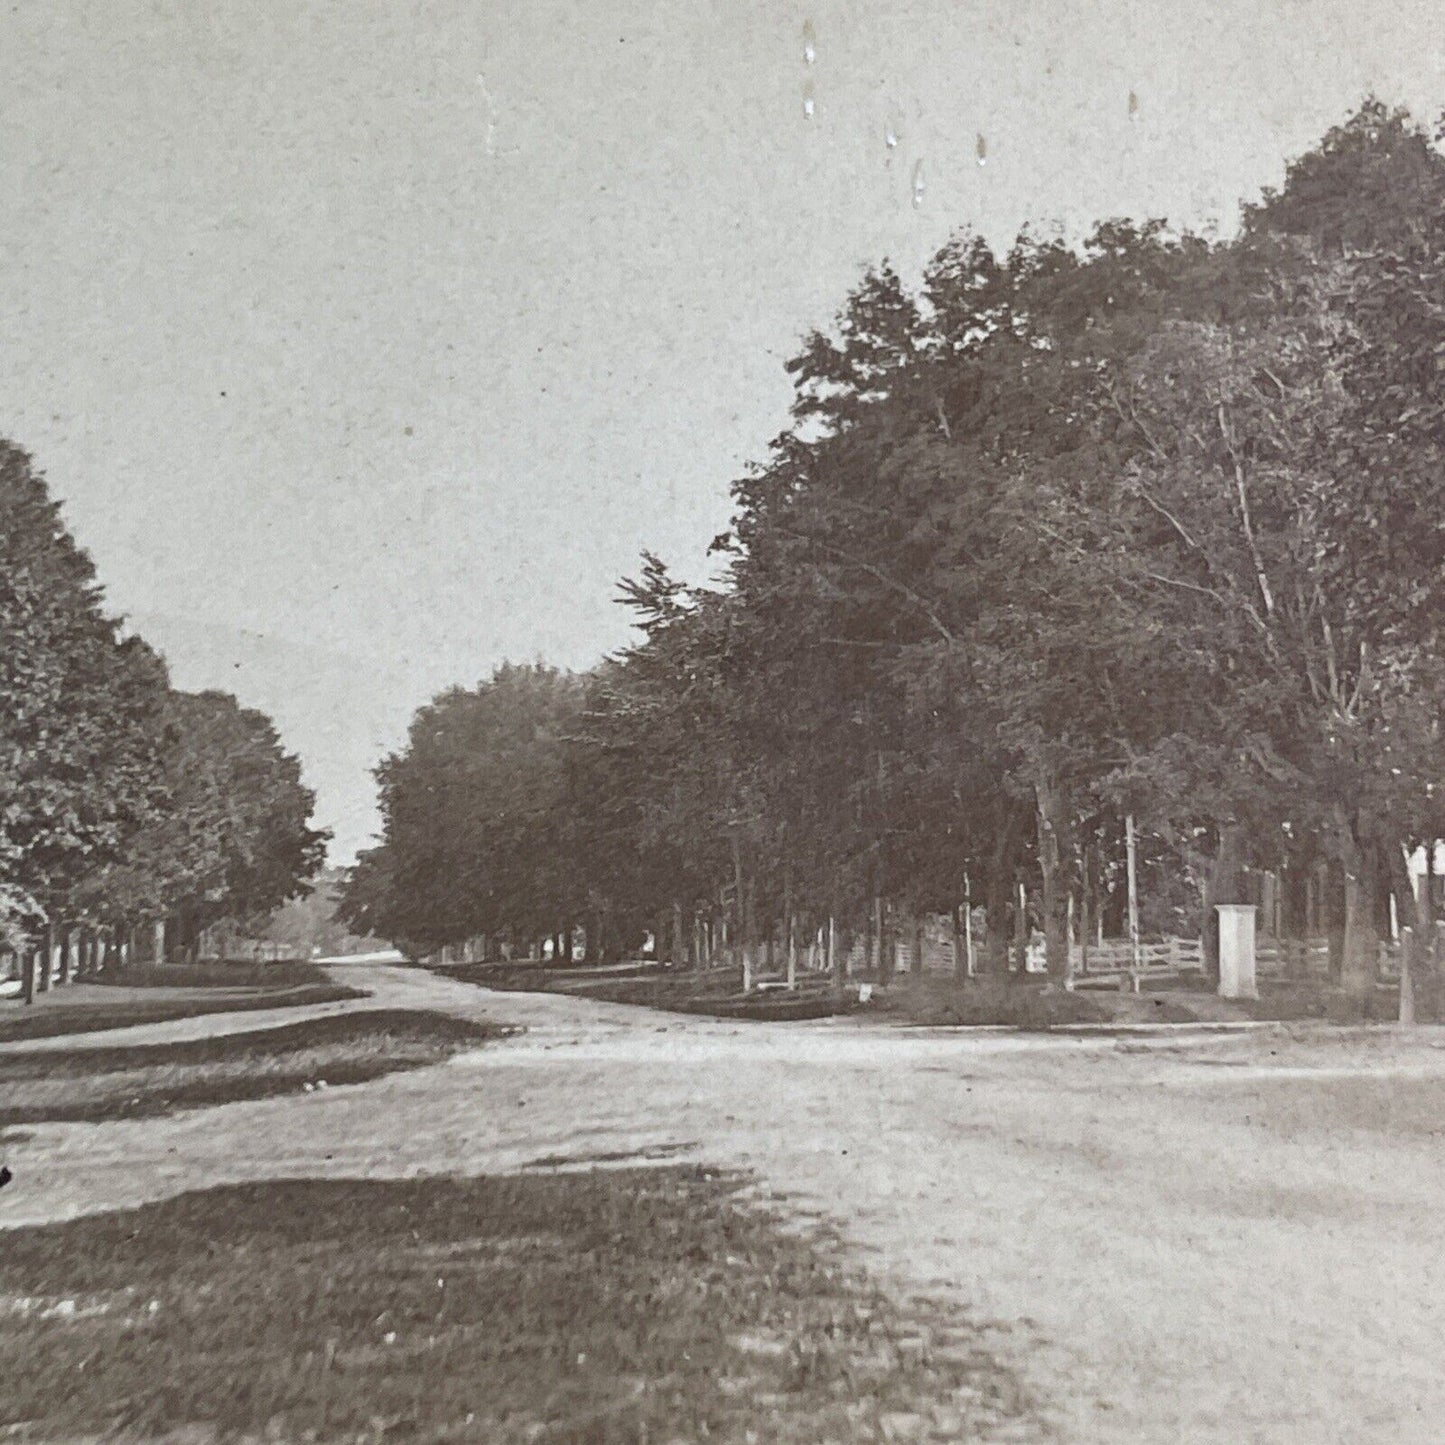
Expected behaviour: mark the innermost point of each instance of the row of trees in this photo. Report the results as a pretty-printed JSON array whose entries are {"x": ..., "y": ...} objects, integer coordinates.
[
  {"x": 122, "y": 800},
  {"x": 1149, "y": 528}
]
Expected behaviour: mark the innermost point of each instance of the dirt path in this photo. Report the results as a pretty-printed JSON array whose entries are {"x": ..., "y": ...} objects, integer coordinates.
[{"x": 1232, "y": 1239}]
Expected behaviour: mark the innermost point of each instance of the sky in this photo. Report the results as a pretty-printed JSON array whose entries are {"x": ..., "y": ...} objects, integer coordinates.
[{"x": 367, "y": 344}]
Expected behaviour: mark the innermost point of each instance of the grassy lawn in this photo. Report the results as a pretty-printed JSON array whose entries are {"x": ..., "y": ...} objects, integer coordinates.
[
  {"x": 935, "y": 999},
  {"x": 127, "y": 1082},
  {"x": 938, "y": 1000},
  {"x": 50, "y": 1020},
  {"x": 241, "y": 973},
  {"x": 714, "y": 992},
  {"x": 634, "y": 1305}
]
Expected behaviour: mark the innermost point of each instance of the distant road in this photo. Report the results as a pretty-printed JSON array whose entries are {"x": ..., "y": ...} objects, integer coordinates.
[{"x": 387, "y": 955}]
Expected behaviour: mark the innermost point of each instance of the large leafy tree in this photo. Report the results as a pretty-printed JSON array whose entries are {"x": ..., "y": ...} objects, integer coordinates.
[
  {"x": 121, "y": 799},
  {"x": 229, "y": 835},
  {"x": 81, "y": 708},
  {"x": 478, "y": 817}
]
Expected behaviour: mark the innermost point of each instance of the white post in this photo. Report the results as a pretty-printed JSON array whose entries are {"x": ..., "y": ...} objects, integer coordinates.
[{"x": 1236, "y": 950}]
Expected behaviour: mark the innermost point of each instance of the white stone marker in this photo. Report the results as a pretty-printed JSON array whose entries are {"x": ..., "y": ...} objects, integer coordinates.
[{"x": 1236, "y": 950}]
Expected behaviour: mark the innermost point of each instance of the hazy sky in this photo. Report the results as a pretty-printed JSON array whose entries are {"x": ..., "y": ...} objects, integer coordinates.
[{"x": 367, "y": 342}]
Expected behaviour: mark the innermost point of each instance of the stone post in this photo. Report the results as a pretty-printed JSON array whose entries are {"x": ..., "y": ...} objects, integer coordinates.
[{"x": 1236, "y": 950}]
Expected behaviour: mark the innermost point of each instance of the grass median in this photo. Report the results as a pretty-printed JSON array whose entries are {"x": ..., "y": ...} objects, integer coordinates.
[
  {"x": 939, "y": 1000},
  {"x": 224, "y": 973},
  {"x": 93, "y": 1085},
  {"x": 618, "y": 1306},
  {"x": 95, "y": 1014},
  {"x": 717, "y": 993}
]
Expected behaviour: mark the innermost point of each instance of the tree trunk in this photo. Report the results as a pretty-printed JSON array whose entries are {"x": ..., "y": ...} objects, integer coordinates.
[
  {"x": 1294, "y": 900},
  {"x": 1051, "y": 814},
  {"x": 47, "y": 961},
  {"x": 1131, "y": 868},
  {"x": 1428, "y": 894},
  {"x": 679, "y": 938},
  {"x": 750, "y": 922},
  {"x": 1000, "y": 896},
  {"x": 739, "y": 891},
  {"x": 1360, "y": 951},
  {"x": 887, "y": 956}
]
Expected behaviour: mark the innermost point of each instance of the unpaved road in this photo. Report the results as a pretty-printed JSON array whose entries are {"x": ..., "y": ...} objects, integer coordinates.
[{"x": 1227, "y": 1239}]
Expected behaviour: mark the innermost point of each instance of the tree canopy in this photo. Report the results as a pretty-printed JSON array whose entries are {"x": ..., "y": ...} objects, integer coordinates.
[
  {"x": 122, "y": 799},
  {"x": 1147, "y": 528}
]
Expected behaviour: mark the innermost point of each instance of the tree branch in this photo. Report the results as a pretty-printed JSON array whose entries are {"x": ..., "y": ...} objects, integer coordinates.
[{"x": 877, "y": 573}]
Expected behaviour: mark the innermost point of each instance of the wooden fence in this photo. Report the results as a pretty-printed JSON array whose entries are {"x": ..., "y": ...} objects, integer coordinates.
[
  {"x": 1112, "y": 960},
  {"x": 1309, "y": 958}
]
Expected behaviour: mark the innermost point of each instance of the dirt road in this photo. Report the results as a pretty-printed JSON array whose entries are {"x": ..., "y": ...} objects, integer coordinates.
[{"x": 1224, "y": 1239}]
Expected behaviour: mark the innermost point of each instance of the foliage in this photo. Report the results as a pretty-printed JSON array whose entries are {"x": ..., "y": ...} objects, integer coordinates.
[
  {"x": 120, "y": 798},
  {"x": 1147, "y": 527},
  {"x": 80, "y": 707}
]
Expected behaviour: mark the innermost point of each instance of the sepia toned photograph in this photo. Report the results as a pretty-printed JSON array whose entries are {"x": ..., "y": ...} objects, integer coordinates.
[{"x": 722, "y": 722}]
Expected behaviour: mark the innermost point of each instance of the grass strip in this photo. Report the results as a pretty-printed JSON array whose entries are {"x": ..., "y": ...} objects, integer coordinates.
[
  {"x": 605, "y": 1307},
  {"x": 717, "y": 993},
  {"x": 54, "y": 1020},
  {"x": 94, "y": 1085},
  {"x": 239, "y": 973}
]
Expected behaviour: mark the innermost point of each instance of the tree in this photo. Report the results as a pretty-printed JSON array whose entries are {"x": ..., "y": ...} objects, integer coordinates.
[
  {"x": 1146, "y": 527},
  {"x": 80, "y": 708},
  {"x": 477, "y": 818},
  {"x": 229, "y": 836}
]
